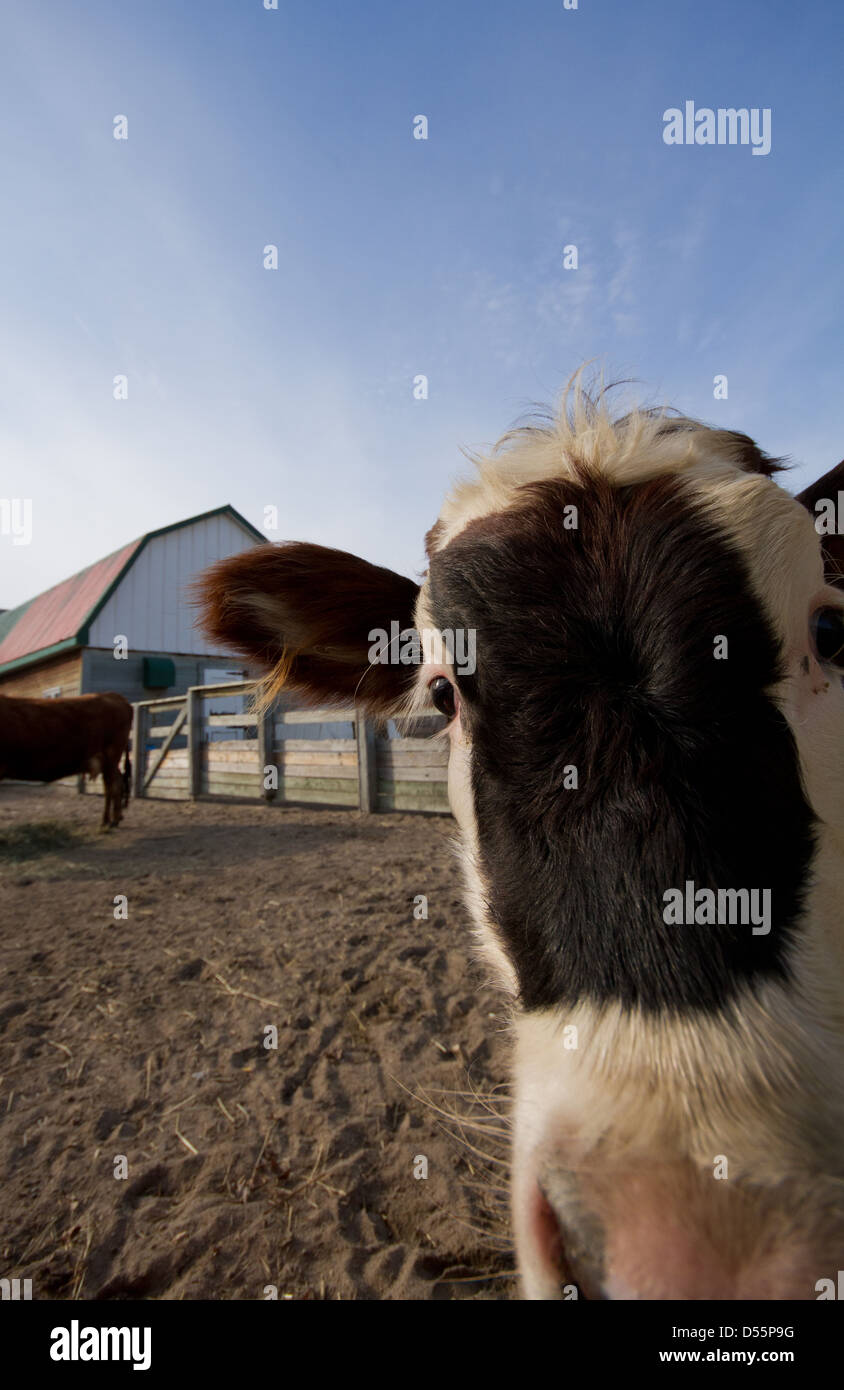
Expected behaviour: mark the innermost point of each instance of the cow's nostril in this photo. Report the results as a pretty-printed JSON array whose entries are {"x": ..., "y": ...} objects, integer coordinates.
[
  {"x": 567, "y": 1238},
  {"x": 547, "y": 1231},
  {"x": 551, "y": 1247}
]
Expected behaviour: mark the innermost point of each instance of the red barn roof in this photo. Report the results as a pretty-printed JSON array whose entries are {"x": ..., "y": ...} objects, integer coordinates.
[
  {"x": 59, "y": 613},
  {"x": 58, "y": 618}
]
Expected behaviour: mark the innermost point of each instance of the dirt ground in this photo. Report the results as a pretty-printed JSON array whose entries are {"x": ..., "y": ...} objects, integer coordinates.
[{"x": 136, "y": 1045}]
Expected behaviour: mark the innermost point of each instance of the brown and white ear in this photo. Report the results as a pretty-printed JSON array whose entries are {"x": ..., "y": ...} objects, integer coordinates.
[
  {"x": 825, "y": 501},
  {"x": 306, "y": 613}
]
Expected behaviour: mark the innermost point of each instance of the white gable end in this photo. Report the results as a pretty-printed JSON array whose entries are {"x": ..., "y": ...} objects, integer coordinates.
[{"x": 150, "y": 605}]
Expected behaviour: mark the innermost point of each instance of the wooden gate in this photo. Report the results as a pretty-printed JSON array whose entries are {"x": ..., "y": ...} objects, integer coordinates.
[{"x": 283, "y": 755}]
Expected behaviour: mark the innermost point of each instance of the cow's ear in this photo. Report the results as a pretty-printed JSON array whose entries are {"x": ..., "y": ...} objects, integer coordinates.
[
  {"x": 825, "y": 501},
  {"x": 751, "y": 458},
  {"x": 306, "y": 614}
]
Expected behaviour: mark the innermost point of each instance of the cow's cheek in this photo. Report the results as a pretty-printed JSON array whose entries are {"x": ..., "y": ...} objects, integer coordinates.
[
  {"x": 460, "y": 794},
  {"x": 813, "y": 704}
]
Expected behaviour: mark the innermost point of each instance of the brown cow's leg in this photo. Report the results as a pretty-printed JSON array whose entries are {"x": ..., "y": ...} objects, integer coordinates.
[
  {"x": 116, "y": 795},
  {"x": 115, "y": 782},
  {"x": 108, "y": 792}
]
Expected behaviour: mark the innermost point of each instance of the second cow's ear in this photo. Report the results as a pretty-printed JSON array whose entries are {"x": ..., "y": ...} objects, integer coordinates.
[
  {"x": 825, "y": 500},
  {"x": 306, "y": 613}
]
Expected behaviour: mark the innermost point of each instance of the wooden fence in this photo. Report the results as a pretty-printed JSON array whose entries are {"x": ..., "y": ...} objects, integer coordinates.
[{"x": 182, "y": 749}]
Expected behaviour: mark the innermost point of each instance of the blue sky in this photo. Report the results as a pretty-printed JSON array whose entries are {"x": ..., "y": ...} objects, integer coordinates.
[{"x": 397, "y": 256}]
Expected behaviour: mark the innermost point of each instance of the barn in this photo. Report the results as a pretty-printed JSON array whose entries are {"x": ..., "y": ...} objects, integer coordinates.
[{"x": 125, "y": 623}]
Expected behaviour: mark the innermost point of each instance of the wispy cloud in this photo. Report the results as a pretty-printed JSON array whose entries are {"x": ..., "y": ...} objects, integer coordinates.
[{"x": 397, "y": 257}]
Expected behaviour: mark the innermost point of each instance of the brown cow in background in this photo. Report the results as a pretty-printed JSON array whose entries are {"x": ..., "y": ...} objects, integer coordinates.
[{"x": 44, "y": 740}]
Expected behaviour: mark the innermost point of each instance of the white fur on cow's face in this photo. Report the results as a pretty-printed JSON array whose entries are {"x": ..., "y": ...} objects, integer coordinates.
[
  {"x": 463, "y": 809},
  {"x": 781, "y": 548},
  {"x": 612, "y": 1108},
  {"x": 766, "y": 1086}
]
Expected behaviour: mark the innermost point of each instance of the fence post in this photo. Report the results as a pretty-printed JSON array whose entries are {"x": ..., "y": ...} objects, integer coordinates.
[
  {"x": 194, "y": 743},
  {"x": 266, "y": 748},
  {"x": 367, "y": 787},
  {"x": 139, "y": 749}
]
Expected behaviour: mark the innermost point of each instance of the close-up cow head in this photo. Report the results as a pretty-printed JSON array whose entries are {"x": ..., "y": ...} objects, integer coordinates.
[{"x": 647, "y": 772}]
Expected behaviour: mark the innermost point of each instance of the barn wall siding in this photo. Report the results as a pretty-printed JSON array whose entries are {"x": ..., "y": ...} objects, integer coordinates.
[
  {"x": 101, "y": 671},
  {"x": 149, "y": 606},
  {"x": 64, "y": 672}
]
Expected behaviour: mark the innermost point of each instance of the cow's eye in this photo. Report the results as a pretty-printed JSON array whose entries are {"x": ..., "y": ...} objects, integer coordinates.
[
  {"x": 444, "y": 696},
  {"x": 827, "y": 626}
]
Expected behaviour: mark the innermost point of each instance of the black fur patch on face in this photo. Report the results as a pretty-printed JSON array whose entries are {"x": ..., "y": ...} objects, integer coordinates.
[{"x": 596, "y": 648}]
